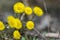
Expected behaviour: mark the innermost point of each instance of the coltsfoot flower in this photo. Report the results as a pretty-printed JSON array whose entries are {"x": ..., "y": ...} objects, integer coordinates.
[
  {"x": 18, "y": 7},
  {"x": 16, "y": 34},
  {"x": 28, "y": 10},
  {"x": 38, "y": 11},
  {"x": 11, "y": 21},
  {"x": 2, "y": 26},
  {"x": 30, "y": 25},
  {"x": 18, "y": 24}
]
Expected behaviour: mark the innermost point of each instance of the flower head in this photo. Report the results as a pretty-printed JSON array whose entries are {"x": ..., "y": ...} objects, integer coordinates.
[
  {"x": 18, "y": 24},
  {"x": 38, "y": 11},
  {"x": 16, "y": 34},
  {"x": 2, "y": 27},
  {"x": 11, "y": 21},
  {"x": 18, "y": 7},
  {"x": 28, "y": 11},
  {"x": 30, "y": 25}
]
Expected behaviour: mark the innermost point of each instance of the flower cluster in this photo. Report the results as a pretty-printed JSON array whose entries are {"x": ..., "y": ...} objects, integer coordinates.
[
  {"x": 20, "y": 8},
  {"x": 30, "y": 25},
  {"x": 16, "y": 34},
  {"x": 28, "y": 11},
  {"x": 38, "y": 11},
  {"x": 16, "y": 23},
  {"x": 11, "y": 21}
]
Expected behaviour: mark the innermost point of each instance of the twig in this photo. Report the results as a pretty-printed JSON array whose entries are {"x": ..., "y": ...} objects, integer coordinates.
[
  {"x": 45, "y": 6},
  {"x": 22, "y": 16},
  {"x": 25, "y": 2},
  {"x": 40, "y": 35},
  {"x": 52, "y": 35}
]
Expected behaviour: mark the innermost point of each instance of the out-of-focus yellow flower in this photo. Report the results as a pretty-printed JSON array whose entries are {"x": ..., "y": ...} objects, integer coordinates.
[
  {"x": 2, "y": 27},
  {"x": 16, "y": 34},
  {"x": 38, "y": 11},
  {"x": 28, "y": 11},
  {"x": 30, "y": 25},
  {"x": 18, "y": 7},
  {"x": 18, "y": 24},
  {"x": 11, "y": 21}
]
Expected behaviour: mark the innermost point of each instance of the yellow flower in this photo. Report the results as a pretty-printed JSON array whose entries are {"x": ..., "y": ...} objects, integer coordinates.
[
  {"x": 18, "y": 7},
  {"x": 38, "y": 11},
  {"x": 16, "y": 34},
  {"x": 11, "y": 21},
  {"x": 2, "y": 27},
  {"x": 30, "y": 25},
  {"x": 18, "y": 24},
  {"x": 28, "y": 11}
]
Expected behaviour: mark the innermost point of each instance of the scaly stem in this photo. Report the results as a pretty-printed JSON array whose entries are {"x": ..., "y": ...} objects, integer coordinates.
[{"x": 26, "y": 4}]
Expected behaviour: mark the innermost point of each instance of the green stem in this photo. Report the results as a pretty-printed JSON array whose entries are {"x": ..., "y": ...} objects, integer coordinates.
[
  {"x": 30, "y": 37},
  {"x": 26, "y": 38}
]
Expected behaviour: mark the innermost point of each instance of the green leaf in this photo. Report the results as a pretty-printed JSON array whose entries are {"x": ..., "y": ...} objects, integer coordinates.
[
  {"x": 34, "y": 38},
  {"x": 23, "y": 38}
]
